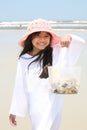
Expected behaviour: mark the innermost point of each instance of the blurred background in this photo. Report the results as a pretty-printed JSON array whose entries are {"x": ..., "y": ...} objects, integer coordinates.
[{"x": 66, "y": 17}]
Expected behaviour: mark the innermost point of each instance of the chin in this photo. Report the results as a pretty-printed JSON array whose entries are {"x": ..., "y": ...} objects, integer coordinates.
[{"x": 42, "y": 48}]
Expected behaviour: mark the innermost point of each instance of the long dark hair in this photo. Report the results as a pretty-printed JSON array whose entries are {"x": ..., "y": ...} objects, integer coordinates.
[{"x": 44, "y": 55}]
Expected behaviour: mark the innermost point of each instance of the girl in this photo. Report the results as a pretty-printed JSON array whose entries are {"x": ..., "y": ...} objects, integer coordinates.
[{"x": 32, "y": 95}]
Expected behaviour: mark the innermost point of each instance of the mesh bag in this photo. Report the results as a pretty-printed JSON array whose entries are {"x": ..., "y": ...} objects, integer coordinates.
[
  {"x": 64, "y": 77},
  {"x": 64, "y": 80}
]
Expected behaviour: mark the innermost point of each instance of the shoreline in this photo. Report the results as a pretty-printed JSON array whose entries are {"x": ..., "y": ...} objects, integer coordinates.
[{"x": 56, "y": 25}]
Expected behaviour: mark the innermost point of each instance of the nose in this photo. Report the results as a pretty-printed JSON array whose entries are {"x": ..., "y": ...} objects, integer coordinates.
[{"x": 42, "y": 39}]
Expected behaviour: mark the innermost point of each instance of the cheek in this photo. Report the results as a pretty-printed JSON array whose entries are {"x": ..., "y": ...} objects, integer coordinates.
[
  {"x": 34, "y": 41},
  {"x": 49, "y": 40}
]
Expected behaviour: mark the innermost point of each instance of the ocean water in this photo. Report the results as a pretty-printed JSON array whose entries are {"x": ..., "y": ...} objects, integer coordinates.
[{"x": 74, "y": 115}]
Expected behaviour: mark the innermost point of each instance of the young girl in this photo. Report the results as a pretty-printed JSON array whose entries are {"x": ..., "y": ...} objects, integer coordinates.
[{"x": 32, "y": 94}]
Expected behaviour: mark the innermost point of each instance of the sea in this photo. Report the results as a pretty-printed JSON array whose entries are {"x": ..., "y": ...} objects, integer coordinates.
[{"x": 74, "y": 116}]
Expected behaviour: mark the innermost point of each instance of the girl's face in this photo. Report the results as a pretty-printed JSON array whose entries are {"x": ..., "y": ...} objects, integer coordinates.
[{"x": 40, "y": 41}]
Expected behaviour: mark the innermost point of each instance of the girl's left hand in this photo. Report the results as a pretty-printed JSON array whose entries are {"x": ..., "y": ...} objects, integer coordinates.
[{"x": 65, "y": 41}]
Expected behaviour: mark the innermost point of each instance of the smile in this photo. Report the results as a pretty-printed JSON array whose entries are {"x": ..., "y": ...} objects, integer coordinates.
[{"x": 42, "y": 44}]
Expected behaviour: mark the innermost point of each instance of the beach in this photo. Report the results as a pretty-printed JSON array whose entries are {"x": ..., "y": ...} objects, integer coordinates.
[{"x": 74, "y": 116}]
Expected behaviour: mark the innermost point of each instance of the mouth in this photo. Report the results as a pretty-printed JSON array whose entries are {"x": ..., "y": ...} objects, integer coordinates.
[{"x": 42, "y": 44}]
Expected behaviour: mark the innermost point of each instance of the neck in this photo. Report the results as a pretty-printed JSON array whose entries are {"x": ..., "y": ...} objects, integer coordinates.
[{"x": 33, "y": 53}]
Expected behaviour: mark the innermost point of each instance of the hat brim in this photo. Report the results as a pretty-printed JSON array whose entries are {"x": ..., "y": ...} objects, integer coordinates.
[{"x": 55, "y": 37}]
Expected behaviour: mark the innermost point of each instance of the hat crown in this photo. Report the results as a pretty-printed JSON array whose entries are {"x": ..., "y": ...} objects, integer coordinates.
[{"x": 39, "y": 25}]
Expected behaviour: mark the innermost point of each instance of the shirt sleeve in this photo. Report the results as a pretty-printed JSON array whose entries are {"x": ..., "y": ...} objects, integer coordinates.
[
  {"x": 76, "y": 47},
  {"x": 19, "y": 104},
  {"x": 69, "y": 55}
]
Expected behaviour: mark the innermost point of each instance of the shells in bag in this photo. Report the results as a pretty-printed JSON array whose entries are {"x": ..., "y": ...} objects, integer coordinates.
[{"x": 66, "y": 86}]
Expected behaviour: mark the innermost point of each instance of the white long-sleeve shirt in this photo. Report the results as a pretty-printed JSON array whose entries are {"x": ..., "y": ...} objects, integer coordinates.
[{"x": 33, "y": 95}]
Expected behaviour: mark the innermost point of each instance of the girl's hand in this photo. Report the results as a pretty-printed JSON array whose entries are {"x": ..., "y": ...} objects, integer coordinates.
[
  {"x": 12, "y": 120},
  {"x": 65, "y": 41}
]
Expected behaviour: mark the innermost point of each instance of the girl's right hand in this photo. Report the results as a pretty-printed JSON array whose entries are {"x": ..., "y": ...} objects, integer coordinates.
[
  {"x": 12, "y": 119},
  {"x": 65, "y": 40}
]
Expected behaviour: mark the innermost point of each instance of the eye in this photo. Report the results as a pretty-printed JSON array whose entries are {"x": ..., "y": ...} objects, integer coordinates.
[
  {"x": 37, "y": 35},
  {"x": 47, "y": 36}
]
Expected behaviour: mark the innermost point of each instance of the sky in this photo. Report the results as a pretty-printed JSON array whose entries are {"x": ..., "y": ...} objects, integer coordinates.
[{"x": 27, "y": 10}]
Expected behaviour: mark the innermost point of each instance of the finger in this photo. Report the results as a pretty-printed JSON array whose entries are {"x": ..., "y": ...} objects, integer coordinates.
[
  {"x": 13, "y": 123},
  {"x": 12, "y": 120},
  {"x": 65, "y": 44}
]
